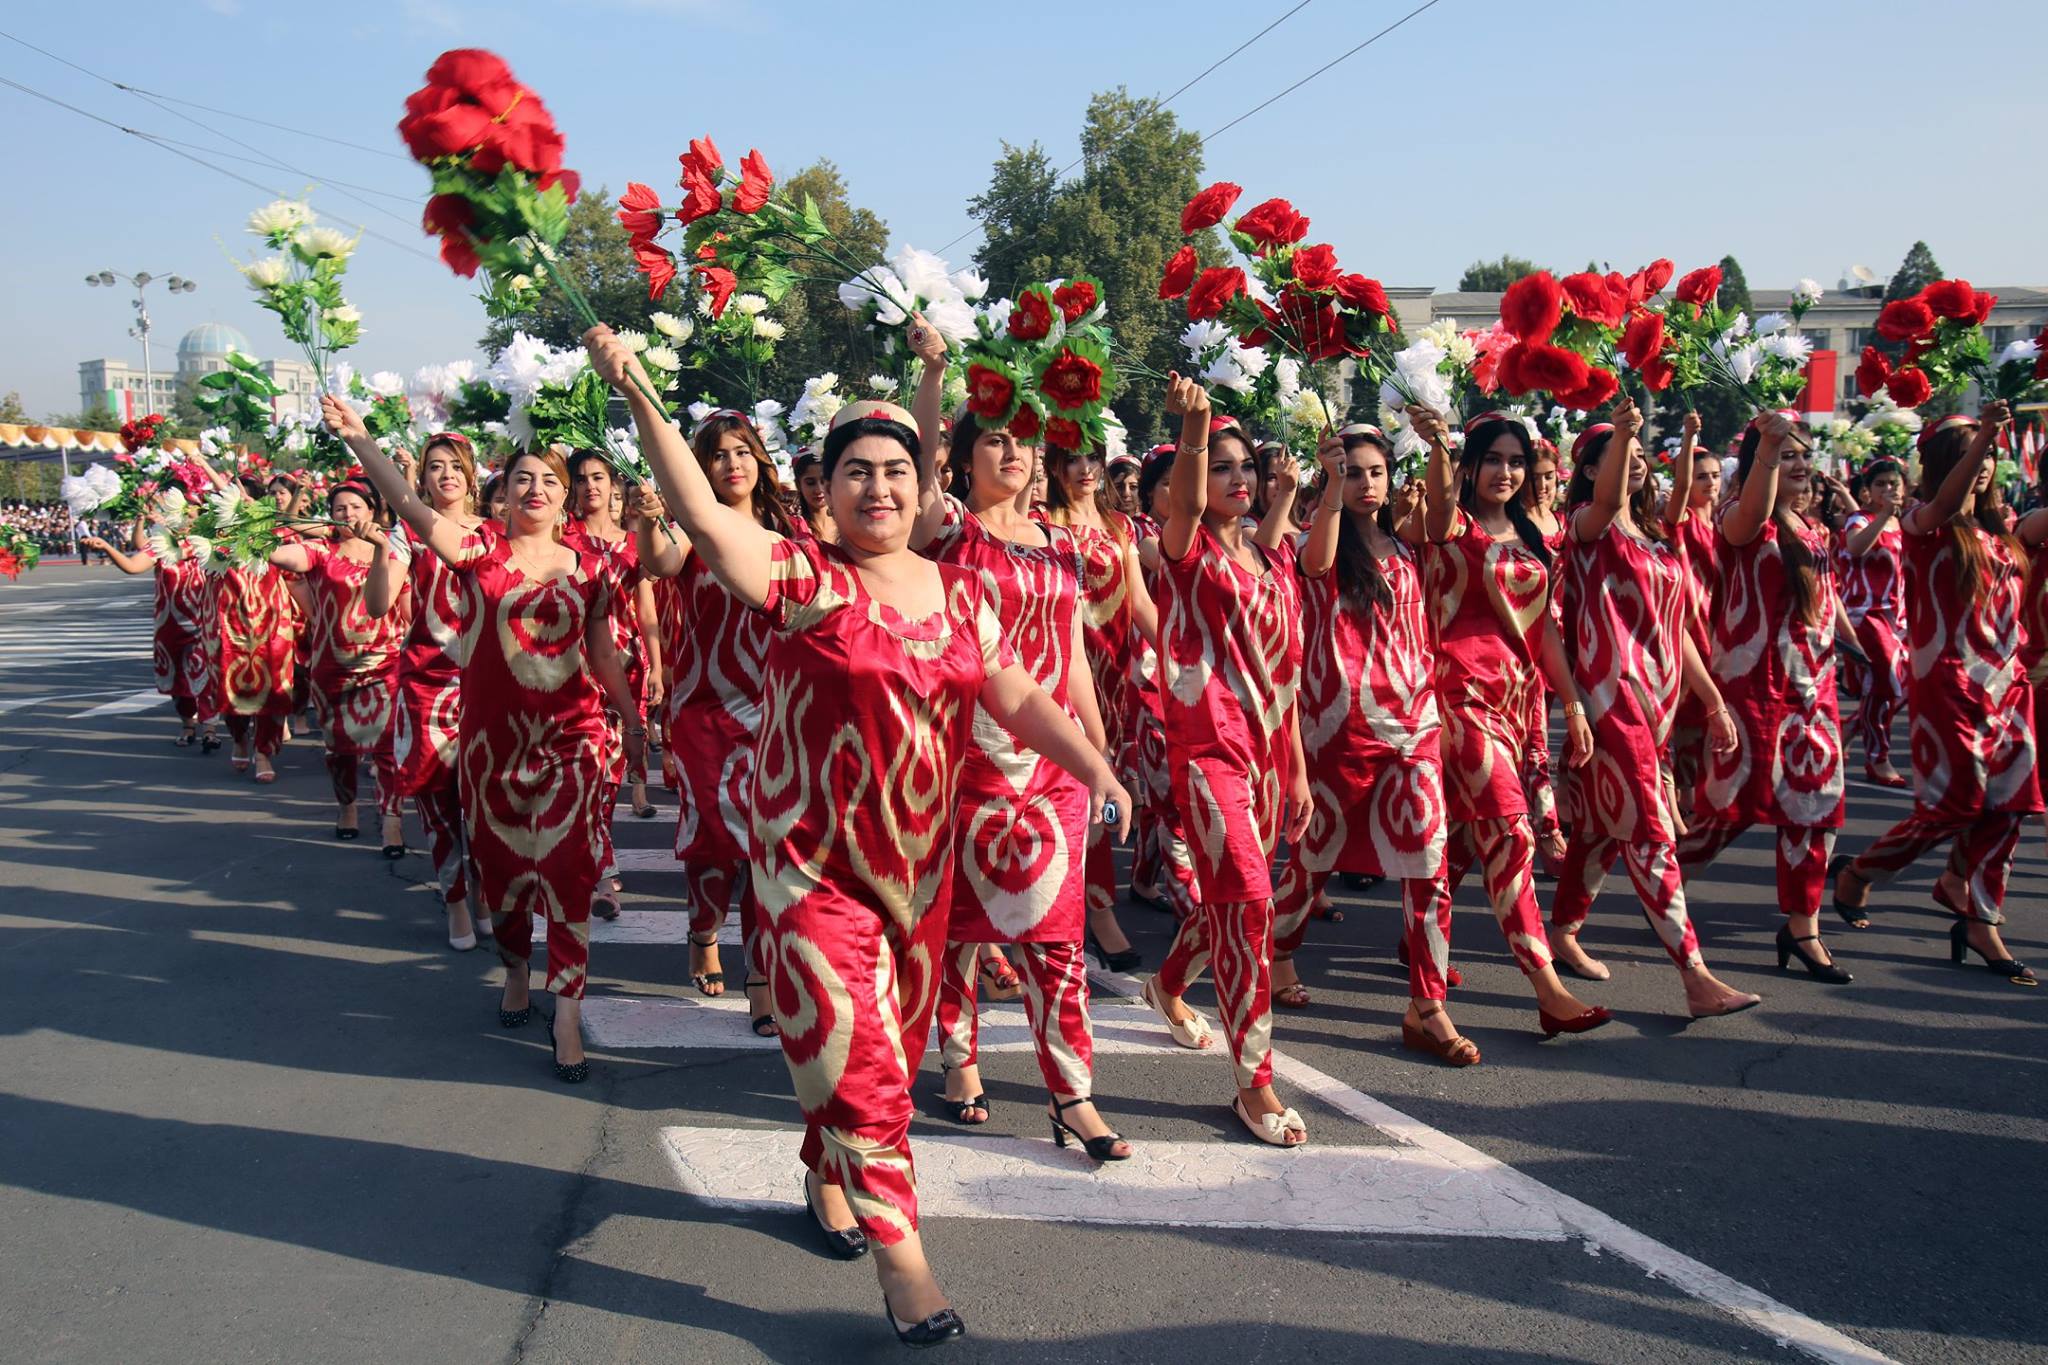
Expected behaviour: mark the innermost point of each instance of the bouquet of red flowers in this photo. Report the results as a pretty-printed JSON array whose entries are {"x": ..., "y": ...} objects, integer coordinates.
[
  {"x": 1039, "y": 365},
  {"x": 141, "y": 432},
  {"x": 1947, "y": 349},
  {"x": 17, "y": 552},
  {"x": 1296, "y": 298},
  {"x": 1571, "y": 333},
  {"x": 1695, "y": 342}
]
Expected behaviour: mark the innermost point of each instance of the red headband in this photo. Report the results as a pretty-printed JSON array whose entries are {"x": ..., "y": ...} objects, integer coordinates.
[
  {"x": 1579, "y": 442},
  {"x": 1948, "y": 423}
]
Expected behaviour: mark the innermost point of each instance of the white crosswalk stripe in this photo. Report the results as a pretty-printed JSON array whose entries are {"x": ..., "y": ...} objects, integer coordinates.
[
  {"x": 86, "y": 636},
  {"x": 137, "y": 701}
]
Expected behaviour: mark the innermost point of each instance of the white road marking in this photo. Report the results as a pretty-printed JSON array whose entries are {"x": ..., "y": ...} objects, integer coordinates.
[
  {"x": 17, "y": 703},
  {"x": 1395, "y": 1191},
  {"x": 647, "y": 926},
  {"x": 646, "y": 859},
  {"x": 134, "y": 701}
]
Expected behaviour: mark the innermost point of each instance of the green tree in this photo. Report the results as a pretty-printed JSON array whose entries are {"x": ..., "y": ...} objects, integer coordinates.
[
  {"x": 1734, "y": 286},
  {"x": 1482, "y": 277},
  {"x": 596, "y": 255},
  {"x": 11, "y": 409},
  {"x": 1914, "y": 274},
  {"x": 822, "y": 334}
]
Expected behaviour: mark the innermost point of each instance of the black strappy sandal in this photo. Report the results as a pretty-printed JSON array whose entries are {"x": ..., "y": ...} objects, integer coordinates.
[
  {"x": 773, "y": 1029},
  {"x": 1855, "y": 916},
  {"x": 518, "y": 1018},
  {"x": 1099, "y": 1149},
  {"x": 2011, "y": 968},
  {"x": 958, "y": 1108},
  {"x": 188, "y": 736},
  {"x": 703, "y": 979}
]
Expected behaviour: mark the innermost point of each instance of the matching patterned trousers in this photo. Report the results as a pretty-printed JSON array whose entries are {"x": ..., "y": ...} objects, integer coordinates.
[
  {"x": 1653, "y": 867},
  {"x": 268, "y": 732},
  {"x": 440, "y": 811},
  {"x": 1803, "y": 854},
  {"x": 1982, "y": 856},
  {"x": 1505, "y": 849},
  {"x": 1236, "y": 939},
  {"x": 1055, "y": 981},
  {"x": 1884, "y": 693},
  {"x": 710, "y": 887}
]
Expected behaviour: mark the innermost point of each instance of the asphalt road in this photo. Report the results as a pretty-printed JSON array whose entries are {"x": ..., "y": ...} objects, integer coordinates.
[{"x": 255, "y": 1110}]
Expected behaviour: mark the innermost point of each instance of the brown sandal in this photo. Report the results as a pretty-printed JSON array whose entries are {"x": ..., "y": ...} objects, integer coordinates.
[{"x": 1457, "y": 1050}]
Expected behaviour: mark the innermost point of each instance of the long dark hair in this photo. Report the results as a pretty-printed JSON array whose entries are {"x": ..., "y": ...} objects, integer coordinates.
[
  {"x": 767, "y": 495},
  {"x": 1478, "y": 440},
  {"x": 1057, "y": 505},
  {"x": 1643, "y": 508},
  {"x": 1941, "y": 451},
  {"x": 1361, "y": 586},
  {"x": 1802, "y": 571}
]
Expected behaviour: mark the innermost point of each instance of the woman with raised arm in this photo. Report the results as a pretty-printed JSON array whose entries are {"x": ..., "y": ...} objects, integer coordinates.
[
  {"x": 1369, "y": 730},
  {"x": 1230, "y": 661},
  {"x": 1486, "y": 577},
  {"x": 594, "y": 529},
  {"x": 1630, "y": 656},
  {"x": 1162, "y": 869},
  {"x": 429, "y": 720},
  {"x": 1539, "y": 500},
  {"x": 1774, "y": 660},
  {"x": 716, "y": 648},
  {"x": 1873, "y": 594},
  {"x": 354, "y": 655},
  {"x": 1974, "y": 759},
  {"x": 1119, "y": 623},
  {"x": 879, "y": 659},
  {"x": 178, "y": 653},
  {"x": 538, "y": 668},
  {"x": 1689, "y": 513},
  {"x": 1018, "y": 875}
]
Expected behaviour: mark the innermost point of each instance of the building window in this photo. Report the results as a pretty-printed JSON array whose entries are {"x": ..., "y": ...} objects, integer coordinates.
[
  {"x": 2000, "y": 338},
  {"x": 1859, "y": 337},
  {"x": 1820, "y": 338}
]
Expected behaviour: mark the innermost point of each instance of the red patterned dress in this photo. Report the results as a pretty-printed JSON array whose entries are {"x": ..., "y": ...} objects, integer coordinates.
[
  {"x": 178, "y": 651},
  {"x": 1489, "y": 601},
  {"x": 1874, "y": 596},
  {"x": 354, "y": 663},
  {"x": 1231, "y": 658},
  {"x": 1538, "y": 778},
  {"x": 1160, "y": 857},
  {"x": 867, "y": 718},
  {"x": 1371, "y": 738},
  {"x": 620, "y": 559},
  {"x": 1972, "y": 707},
  {"x": 428, "y": 727},
  {"x": 254, "y": 638},
  {"x": 1626, "y": 606},
  {"x": 1776, "y": 673},
  {"x": 1022, "y": 842},
  {"x": 1697, "y": 537},
  {"x": 1110, "y": 639},
  {"x": 531, "y": 761}
]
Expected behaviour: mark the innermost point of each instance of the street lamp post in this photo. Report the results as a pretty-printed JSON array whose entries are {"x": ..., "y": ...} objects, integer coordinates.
[{"x": 177, "y": 284}]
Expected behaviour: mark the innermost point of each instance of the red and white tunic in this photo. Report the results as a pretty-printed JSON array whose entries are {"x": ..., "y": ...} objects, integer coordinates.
[
  {"x": 179, "y": 655},
  {"x": 429, "y": 720},
  {"x": 254, "y": 626},
  {"x": 716, "y": 648},
  {"x": 354, "y": 659}
]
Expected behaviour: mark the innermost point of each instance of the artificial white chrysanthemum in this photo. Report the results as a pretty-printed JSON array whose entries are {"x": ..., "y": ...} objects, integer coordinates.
[
  {"x": 1115, "y": 437},
  {"x": 700, "y": 410},
  {"x": 1743, "y": 361},
  {"x": 198, "y": 549},
  {"x": 1788, "y": 346},
  {"x": 173, "y": 504},
  {"x": 954, "y": 318},
  {"x": 1462, "y": 350},
  {"x": 1772, "y": 323},
  {"x": 214, "y": 440},
  {"x": 671, "y": 326},
  {"x": 882, "y": 384},
  {"x": 997, "y": 315},
  {"x": 268, "y": 273},
  {"x": 161, "y": 547},
  {"x": 1839, "y": 427},
  {"x": 225, "y": 506},
  {"x": 1737, "y": 330},
  {"x": 1808, "y": 292},
  {"x": 324, "y": 243},
  {"x": 1198, "y": 337},
  {"x": 1286, "y": 381},
  {"x": 768, "y": 329},
  {"x": 971, "y": 285},
  {"x": 386, "y": 383},
  {"x": 663, "y": 358},
  {"x": 1885, "y": 413},
  {"x": 1251, "y": 359},
  {"x": 924, "y": 274},
  {"x": 279, "y": 216},
  {"x": 2026, "y": 349},
  {"x": 636, "y": 342},
  {"x": 1442, "y": 333},
  {"x": 753, "y": 305},
  {"x": 341, "y": 313},
  {"x": 703, "y": 304}
]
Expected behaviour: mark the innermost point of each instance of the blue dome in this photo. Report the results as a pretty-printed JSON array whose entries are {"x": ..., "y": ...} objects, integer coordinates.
[{"x": 213, "y": 338}]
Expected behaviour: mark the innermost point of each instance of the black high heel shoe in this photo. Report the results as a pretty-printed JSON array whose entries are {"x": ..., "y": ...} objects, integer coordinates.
[
  {"x": 1099, "y": 1149},
  {"x": 571, "y": 1073},
  {"x": 2011, "y": 968},
  {"x": 846, "y": 1244},
  {"x": 1129, "y": 960},
  {"x": 518, "y": 1018},
  {"x": 1788, "y": 948},
  {"x": 1855, "y": 916},
  {"x": 943, "y": 1325}
]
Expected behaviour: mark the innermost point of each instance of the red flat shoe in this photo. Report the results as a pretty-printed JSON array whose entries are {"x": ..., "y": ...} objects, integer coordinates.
[
  {"x": 1452, "y": 976},
  {"x": 1895, "y": 780},
  {"x": 1593, "y": 1018}
]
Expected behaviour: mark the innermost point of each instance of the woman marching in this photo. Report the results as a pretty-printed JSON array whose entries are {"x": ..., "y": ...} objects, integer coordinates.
[
  {"x": 254, "y": 641},
  {"x": 1974, "y": 775},
  {"x": 1369, "y": 729},
  {"x": 428, "y": 725},
  {"x": 539, "y": 666},
  {"x": 879, "y": 660},
  {"x": 1774, "y": 654},
  {"x": 178, "y": 654},
  {"x": 354, "y": 656},
  {"x": 716, "y": 649},
  {"x": 1021, "y": 854},
  {"x": 1162, "y": 869},
  {"x": 1689, "y": 513},
  {"x": 1230, "y": 659},
  {"x": 1539, "y": 500},
  {"x": 1873, "y": 594},
  {"x": 1630, "y": 655}
]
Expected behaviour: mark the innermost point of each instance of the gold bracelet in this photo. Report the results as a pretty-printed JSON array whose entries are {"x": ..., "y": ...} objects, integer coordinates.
[
  {"x": 1192, "y": 450},
  {"x": 1574, "y": 708}
]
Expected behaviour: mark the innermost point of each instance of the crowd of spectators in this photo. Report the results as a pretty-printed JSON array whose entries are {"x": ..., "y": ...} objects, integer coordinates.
[{"x": 49, "y": 524}]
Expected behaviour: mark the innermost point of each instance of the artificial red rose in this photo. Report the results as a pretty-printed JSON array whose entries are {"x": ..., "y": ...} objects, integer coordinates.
[
  {"x": 1180, "y": 273},
  {"x": 1207, "y": 208},
  {"x": 1031, "y": 317},
  {"x": 524, "y": 138},
  {"x": 1075, "y": 299},
  {"x": 989, "y": 392},
  {"x": 1949, "y": 298},
  {"x": 1509, "y": 373},
  {"x": 466, "y": 90},
  {"x": 656, "y": 264},
  {"x": 1064, "y": 433},
  {"x": 1272, "y": 224},
  {"x": 1981, "y": 306},
  {"x": 756, "y": 180},
  {"x": 1071, "y": 381},
  {"x": 1699, "y": 287},
  {"x": 1655, "y": 276},
  {"x": 1600, "y": 386},
  {"x": 1262, "y": 336},
  {"x": 1318, "y": 327},
  {"x": 1532, "y": 307},
  {"x": 1218, "y": 285},
  {"x": 707, "y": 250},
  {"x": 700, "y": 195},
  {"x": 448, "y": 217},
  {"x": 1909, "y": 387},
  {"x": 704, "y": 152},
  {"x": 1594, "y": 298},
  {"x": 1025, "y": 425},
  {"x": 1643, "y": 339},
  {"x": 1315, "y": 267},
  {"x": 1916, "y": 348},
  {"x": 1904, "y": 319},
  {"x": 1657, "y": 374},
  {"x": 571, "y": 183},
  {"x": 1871, "y": 371},
  {"x": 1365, "y": 295},
  {"x": 1552, "y": 369},
  {"x": 639, "y": 210},
  {"x": 720, "y": 284}
]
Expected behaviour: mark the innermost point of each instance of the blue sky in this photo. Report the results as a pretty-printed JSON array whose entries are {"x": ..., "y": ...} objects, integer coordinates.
[{"x": 1804, "y": 137}]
